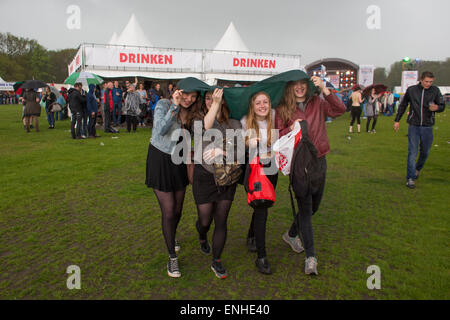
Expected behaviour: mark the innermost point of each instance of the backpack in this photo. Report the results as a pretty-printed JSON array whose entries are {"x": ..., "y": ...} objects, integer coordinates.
[
  {"x": 260, "y": 191},
  {"x": 305, "y": 176}
]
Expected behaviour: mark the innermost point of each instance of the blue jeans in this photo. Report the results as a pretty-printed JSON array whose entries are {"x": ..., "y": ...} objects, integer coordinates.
[
  {"x": 418, "y": 138},
  {"x": 390, "y": 111},
  {"x": 51, "y": 119},
  {"x": 118, "y": 109}
]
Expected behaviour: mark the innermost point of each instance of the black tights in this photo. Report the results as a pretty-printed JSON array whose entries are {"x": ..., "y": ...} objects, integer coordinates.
[
  {"x": 356, "y": 115},
  {"x": 131, "y": 120},
  {"x": 219, "y": 212},
  {"x": 258, "y": 230},
  {"x": 171, "y": 204},
  {"x": 373, "y": 124}
]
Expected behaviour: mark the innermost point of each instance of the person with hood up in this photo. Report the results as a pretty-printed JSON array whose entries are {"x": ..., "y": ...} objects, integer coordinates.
[{"x": 92, "y": 109}]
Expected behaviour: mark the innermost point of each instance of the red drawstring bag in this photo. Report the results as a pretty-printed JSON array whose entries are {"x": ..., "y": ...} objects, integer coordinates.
[{"x": 260, "y": 191}]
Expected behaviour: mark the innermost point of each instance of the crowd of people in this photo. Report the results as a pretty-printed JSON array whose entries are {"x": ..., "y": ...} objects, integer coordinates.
[
  {"x": 112, "y": 105},
  {"x": 8, "y": 97},
  {"x": 178, "y": 110}
]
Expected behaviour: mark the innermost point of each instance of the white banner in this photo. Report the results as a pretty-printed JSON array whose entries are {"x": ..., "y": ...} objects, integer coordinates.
[
  {"x": 365, "y": 75},
  {"x": 76, "y": 62},
  {"x": 143, "y": 58},
  {"x": 409, "y": 78},
  {"x": 238, "y": 62}
]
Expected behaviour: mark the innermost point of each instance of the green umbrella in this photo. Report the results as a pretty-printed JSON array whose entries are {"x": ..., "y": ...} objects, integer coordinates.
[
  {"x": 86, "y": 78},
  {"x": 238, "y": 98}
]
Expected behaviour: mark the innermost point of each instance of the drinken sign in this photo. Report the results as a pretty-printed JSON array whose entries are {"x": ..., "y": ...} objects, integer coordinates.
[
  {"x": 145, "y": 58},
  {"x": 76, "y": 62},
  {"x": 238, "y": 62}
]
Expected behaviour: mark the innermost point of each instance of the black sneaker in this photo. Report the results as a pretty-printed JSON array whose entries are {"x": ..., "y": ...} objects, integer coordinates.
[
  {"x": 218, "y": 269},
  {"x": 410, "y": 183},
  {"x": 251, "y": 244},
  {"x": 204, "y": 247},
  {"x": 172, "y": 268},
  {"x": 263, "y": 265}
]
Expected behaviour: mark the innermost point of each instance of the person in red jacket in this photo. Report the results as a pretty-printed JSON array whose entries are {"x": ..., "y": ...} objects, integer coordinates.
[
  {"x": 109, "y": 104},
  {"x": 299, "y": 104}
]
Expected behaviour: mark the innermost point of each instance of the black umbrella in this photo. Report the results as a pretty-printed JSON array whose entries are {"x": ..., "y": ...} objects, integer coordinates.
[
  {"x": 34, "y": 84},
  {"x": 379, "y": 88}
]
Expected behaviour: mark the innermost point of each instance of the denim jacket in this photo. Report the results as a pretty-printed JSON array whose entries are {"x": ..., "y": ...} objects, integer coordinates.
[{"x": 164, "y": 124}]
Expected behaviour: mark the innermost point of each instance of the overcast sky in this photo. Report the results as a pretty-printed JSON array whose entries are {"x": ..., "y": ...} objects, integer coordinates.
[{"x": 315, "y": 29}]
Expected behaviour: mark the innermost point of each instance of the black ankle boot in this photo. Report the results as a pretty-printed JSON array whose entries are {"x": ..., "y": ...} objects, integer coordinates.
[{"x": 263, "y": 265}]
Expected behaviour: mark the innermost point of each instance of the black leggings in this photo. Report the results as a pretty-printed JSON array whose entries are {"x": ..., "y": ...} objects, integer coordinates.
[
  {"x": 258, "y": 230},
  {"x": 356, "y": 114},
  {"x": 308, "y": 206},
  {"x": 171, "y": 204},
  {"x": 373, "y": 124},
  {"x": 131, "y": 120},
  {"x": 218, "y": 211}
]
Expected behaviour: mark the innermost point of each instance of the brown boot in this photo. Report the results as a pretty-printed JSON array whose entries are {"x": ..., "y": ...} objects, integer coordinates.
[{"x": 36, "y": 125}]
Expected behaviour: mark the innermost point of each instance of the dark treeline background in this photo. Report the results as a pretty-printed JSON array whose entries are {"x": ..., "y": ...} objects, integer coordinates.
[{"x": 23, "y": 59}]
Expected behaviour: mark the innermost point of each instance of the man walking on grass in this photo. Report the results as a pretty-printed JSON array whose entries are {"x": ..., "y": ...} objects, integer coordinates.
[{"x": 424, "y": 100}]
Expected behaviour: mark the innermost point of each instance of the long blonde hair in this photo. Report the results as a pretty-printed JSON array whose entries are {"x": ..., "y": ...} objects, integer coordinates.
[
  {"x": 288, "y": 103},
  {"x": 252, "y": 123}
]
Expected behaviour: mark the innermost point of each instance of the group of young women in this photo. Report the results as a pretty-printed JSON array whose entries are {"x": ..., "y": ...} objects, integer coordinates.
[
  {"x": 372, "y": 109},
  {"x": 213, "y": 200}
]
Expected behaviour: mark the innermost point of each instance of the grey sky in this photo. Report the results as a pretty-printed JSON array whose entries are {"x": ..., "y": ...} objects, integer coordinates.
[{"x": 315, "y": 29}]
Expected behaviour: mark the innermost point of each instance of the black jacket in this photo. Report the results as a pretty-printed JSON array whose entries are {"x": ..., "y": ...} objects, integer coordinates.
[
  {"x": 77, "y": 102},
  {"x": 419, "y": 100}
]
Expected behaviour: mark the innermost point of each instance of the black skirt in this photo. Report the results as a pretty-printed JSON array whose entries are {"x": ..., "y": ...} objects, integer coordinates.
[
  {"x": 162, "y": 174},
  {"x": 205, "y": 189}
]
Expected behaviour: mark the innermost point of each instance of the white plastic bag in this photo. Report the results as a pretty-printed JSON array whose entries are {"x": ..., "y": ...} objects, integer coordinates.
[{"x": 284, "y": 149}]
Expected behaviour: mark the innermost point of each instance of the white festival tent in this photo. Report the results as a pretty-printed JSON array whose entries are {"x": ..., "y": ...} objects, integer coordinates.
[
  {"x": 6, "y": 86},
  {"x": 113, "y": 39},
  {"x": 132, "y": 54},
  {"x": 133, "y": 35},
  {"x": 231, "y": 40}
]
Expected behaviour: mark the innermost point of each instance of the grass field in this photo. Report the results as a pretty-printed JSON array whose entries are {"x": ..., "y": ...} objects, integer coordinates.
[{"x": 75, "y": 202}]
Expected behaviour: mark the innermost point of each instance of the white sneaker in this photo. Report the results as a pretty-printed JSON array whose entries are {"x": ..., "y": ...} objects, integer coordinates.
[
  {"x": 172, "y": 268},
  {"x": 311, "y": 266},
  {"x": 295, "y": 243}
]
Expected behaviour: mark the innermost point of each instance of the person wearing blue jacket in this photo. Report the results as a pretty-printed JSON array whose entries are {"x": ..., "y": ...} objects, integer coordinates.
[
  {"x": 169, "y": 180},
  {"x": 117, "y": 99},
  {"x": 92, "y": 109}
]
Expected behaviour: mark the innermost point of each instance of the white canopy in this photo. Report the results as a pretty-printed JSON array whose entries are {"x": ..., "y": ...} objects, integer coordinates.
[
  {"x": 6, "y": 86},
  {"x": 113, "y": 39},
  {"x": 231, "y": 40},
  {"x": 133, "y": 35}
]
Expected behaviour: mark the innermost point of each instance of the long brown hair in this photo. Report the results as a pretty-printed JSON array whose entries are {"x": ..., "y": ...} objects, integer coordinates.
[
  {"x": 252, "y": 123},
  {"x": 191, "y": 111},
  {"x": 199, "y": 110},
  {"x": 288, "y": 103}
]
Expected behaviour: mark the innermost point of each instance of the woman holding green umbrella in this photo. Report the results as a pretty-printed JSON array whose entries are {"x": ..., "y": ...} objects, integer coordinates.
[{"x": 299, "y": 104}]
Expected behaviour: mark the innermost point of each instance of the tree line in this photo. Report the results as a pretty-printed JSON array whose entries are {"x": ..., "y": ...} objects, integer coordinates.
[{"x": 24, "y": 59}]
